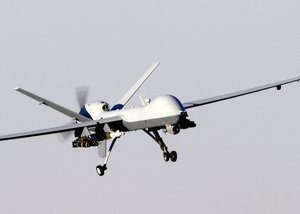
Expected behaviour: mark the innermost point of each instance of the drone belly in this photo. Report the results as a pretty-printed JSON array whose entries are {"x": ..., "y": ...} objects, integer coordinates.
[
  {"x": 150, "y": 122},
  {"x": 163, "y": 111}
]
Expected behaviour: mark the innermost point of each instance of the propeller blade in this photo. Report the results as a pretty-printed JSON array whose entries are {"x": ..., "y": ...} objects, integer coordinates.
[
  {"x": 66, "y": 136},
  {"x": 82, "y": 95}
]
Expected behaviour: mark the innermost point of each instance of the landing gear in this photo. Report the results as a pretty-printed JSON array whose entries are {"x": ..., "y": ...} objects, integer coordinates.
[
  {"x": 166, "y": 154},
  {"x": 173, "y": 156},
  {"x": 170, "y": 156},
  {"x": 101, "y": 169}
]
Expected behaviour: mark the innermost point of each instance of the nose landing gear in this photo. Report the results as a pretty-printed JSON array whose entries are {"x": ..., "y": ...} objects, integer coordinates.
[{"x": 100, "y": 169}]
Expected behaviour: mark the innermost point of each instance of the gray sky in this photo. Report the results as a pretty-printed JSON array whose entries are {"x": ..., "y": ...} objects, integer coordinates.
[{"x": 243, "y": 157}]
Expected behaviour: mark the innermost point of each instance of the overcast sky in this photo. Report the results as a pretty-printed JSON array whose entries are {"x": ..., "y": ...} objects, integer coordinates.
[{"x": 243, "y": 157}]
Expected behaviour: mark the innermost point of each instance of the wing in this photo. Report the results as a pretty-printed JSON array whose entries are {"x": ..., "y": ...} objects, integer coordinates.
[
  {"x": 53, "y": 105},
  {"x": 122, "y": 102},
  {"x": 60, "y": 129},
  {"x": 239, "y": 93}
]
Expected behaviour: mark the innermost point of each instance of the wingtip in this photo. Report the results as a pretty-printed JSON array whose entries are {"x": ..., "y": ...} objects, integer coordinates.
[
  {"x": 17, "y": 88},
  {"x": 155, "y": 65}
]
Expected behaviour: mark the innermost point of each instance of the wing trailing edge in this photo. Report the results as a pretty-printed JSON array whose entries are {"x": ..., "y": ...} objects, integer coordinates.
[{"x": 66, "y": 128}]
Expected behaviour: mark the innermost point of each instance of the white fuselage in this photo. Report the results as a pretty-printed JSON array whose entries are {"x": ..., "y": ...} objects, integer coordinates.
[{"x": 162, "y": 111}]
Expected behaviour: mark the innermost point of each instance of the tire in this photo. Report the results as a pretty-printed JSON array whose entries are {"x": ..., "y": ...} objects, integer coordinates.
[
  {"x": 166, "y": 156},
  {"x": 100, "y": 170},
  {"x": 173, "y": 156}
]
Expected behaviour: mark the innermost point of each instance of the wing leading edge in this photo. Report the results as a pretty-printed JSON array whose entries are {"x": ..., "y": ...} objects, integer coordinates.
[
  {"x": 53, "y": 105},
  {"x": 210, "y": 100},
  {"x": 60, "y": 129}
]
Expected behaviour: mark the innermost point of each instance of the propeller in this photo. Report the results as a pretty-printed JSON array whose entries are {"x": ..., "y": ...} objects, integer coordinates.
[
  {"x": 64, "y": 136},
  {"x": 82, "y": 95}
]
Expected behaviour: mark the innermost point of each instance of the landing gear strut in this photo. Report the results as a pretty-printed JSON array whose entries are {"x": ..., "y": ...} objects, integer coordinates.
[
  {"x": 100, "y": 169},
  {"x": 166, "y": 154}
]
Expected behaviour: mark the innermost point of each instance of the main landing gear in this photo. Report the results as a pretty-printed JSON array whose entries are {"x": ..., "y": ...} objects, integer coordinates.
[
  {"x": 100, "y": 169},
  {"x": 170, "y": 156},
  {"x": 166, "y": 154}
]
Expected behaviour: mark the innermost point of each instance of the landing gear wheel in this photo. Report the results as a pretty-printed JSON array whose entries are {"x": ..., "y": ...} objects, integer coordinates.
[
  {"x": 166, "y": 156},
  {"x": 101, "y": 169},
  {"x": 173, "y": 156}
]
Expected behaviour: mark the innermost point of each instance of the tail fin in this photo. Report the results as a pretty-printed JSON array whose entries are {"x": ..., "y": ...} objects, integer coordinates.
[{"x": 122, "y": 102}]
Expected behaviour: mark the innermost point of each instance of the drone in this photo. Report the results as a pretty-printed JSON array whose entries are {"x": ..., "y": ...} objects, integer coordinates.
[{"x": 100, "y": 125}]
